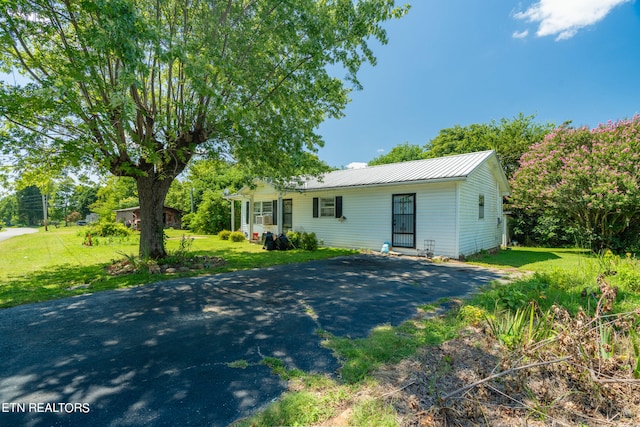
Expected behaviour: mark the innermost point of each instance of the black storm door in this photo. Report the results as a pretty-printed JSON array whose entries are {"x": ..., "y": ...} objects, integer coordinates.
[
  {"x": 404, "y": 221},
  {"x": 287, "y": 215}
]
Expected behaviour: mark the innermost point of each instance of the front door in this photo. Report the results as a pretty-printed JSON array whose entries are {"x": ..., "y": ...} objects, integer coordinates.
[
  {"x": 404, "y": 221},
  {"x": 287, "y": 215}
]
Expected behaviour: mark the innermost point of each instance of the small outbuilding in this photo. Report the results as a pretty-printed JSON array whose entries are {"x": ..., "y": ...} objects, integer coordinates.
[
  {"x": 449, "y": 206},
  {"x": 172, "y": 218}
]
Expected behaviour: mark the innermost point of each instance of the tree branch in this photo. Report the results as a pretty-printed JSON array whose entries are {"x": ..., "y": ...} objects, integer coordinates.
[{"x": 502, "y": 374}]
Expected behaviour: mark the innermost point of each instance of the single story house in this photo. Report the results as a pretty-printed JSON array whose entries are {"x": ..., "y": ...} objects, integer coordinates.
[
  {"x": 131, "y": 216},
  {"x": 451, "y": 206}
]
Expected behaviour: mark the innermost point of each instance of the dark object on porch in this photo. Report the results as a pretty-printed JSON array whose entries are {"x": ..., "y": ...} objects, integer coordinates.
[
  {"x": 269, "y": 242},
  {"x": 282, "y": 243}
]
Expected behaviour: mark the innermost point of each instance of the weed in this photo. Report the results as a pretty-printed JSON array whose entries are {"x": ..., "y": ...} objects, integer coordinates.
[
  {"x": 520, "y": 328},
  {"x": 293, "y": 409},
  {"x": 373, "y": 412},
  {"x": 184, "y": 247}
]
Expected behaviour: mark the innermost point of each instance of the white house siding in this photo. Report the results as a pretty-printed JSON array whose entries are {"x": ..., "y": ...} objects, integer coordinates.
[
  {"x": 476, "y": 233},
  {"x": 368, "y": 216}
]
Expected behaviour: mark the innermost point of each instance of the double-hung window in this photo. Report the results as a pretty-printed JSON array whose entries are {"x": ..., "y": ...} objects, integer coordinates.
[
  {"x": 327, "y": 207},
  {"x": 263, "y": 209}
]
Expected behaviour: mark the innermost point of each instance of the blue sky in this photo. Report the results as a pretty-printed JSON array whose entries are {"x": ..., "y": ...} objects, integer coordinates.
[{"x": 461, "y": 62}]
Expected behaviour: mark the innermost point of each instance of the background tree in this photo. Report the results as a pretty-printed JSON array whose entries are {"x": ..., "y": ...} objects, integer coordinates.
[
  {"x": 30, "y": 206},
  {"x": 61, "y": 196},
  {"x": 586, "y": 178},
  {"x": 138, "y": 87},
  {"x": 84, "y": 195},
  {"x": 510, "y": 138},
  {"x": 400, "y": 153},
  {"x": 115, "y": 193},
  {"x": 203, "y": 187},
  {"x": 9, "y": 210}
]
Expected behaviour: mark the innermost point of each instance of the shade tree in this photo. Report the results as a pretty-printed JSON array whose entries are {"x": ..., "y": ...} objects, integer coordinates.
[{"x": 139, "y": 87}]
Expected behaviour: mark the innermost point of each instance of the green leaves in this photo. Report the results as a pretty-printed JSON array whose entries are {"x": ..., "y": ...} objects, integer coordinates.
[{"x": 587, "y": 176}]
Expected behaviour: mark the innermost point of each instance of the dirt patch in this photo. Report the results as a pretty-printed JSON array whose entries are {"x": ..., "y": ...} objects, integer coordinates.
[
  {"x": 429, "y": 389},
  {"x": 131, "y": 265}
]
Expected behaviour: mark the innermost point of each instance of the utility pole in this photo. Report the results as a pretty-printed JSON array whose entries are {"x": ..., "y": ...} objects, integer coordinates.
[{"x": 44, "y": 210}]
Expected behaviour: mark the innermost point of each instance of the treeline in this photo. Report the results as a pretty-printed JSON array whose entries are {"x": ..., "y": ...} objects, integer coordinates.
[{"x": 199, "y": 195}]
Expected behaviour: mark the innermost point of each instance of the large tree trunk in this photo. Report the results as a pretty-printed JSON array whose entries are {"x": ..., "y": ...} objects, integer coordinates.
[{"x": 152, "y": 192}]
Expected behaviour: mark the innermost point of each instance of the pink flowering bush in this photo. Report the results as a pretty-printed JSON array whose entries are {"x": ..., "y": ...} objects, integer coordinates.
[{"x": 589, "y": 179}]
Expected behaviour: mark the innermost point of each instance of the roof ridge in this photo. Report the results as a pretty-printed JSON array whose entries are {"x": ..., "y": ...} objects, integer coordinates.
[{"x": 414, "y": 161}]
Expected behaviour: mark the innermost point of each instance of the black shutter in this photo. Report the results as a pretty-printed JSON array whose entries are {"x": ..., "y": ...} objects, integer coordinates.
[
  {"x": 338, "y": 206},
  {"x": 247, "y": 213},
  {"x": 275, "y": 212},
  {"x": 315, "y": 207}
]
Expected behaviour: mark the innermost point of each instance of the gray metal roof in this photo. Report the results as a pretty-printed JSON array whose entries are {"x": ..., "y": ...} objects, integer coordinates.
[{"x": 441, "y": 168}]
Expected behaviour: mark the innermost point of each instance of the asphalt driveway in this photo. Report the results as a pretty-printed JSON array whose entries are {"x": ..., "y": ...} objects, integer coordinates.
[{"x": 158, "y": 355}]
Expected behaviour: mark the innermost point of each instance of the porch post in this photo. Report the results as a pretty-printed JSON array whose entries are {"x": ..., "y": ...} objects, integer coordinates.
[
  {"x": 233, "y": 215},
  {"x": 280, "y": 214}
]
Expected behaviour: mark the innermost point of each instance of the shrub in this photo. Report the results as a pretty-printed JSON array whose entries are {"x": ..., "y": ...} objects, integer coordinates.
[
  {"x": 108, "y": 229},
  {"x": 237, "y": 236},
  {"x": 213, "y": 214},
  {"x": 187, "y": 219},
  {"x": 309, "y": 241},
  {"x": 74, "y": 216},
  {"x": 224, "y": 235},
  {"x": 294, "y": 238}
]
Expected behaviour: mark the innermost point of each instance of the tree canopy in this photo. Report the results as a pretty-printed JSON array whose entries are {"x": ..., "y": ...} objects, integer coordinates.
[
  {"x": 510, "y": 138},
  {"x": 588, "y": 178},
  {"x": 138, "y": 87},
  {"x": 400, "y": 153}
]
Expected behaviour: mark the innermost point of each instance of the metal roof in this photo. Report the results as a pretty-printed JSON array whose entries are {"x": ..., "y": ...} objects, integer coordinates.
[{"x": 437, "y": 169}]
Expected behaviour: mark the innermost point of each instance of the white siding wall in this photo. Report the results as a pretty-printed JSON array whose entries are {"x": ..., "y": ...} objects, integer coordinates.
[
  {"x": 368, "y": 217},
  {"x": 476, "y": 233},
  {"x": 446, "y": 212}
]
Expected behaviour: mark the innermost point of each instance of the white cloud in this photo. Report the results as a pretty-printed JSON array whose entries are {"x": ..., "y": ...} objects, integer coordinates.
[
  {"x": 380, "y": 150},
  {"x": 520, "y": 34},
  {"x": 563, "y": 18},
  {"x": 356, "y": 165}
]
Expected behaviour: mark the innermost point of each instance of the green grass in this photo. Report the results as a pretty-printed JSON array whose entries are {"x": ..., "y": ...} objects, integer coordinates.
[
  {"x": 386, "y": 344},
  {"x": 55, "y": 264},
  {"x": 536, "y": 259},
  {"x": 561, "y": 277}
]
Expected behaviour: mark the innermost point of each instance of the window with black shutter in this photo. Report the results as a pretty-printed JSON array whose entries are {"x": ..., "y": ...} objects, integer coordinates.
[
  {"x": 275, "y": 212},
  {"x": 338, "y": 206}
]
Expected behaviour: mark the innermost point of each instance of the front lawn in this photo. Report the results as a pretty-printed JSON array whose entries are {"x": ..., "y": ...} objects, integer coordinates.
[{"x": 56, "y": 264}]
